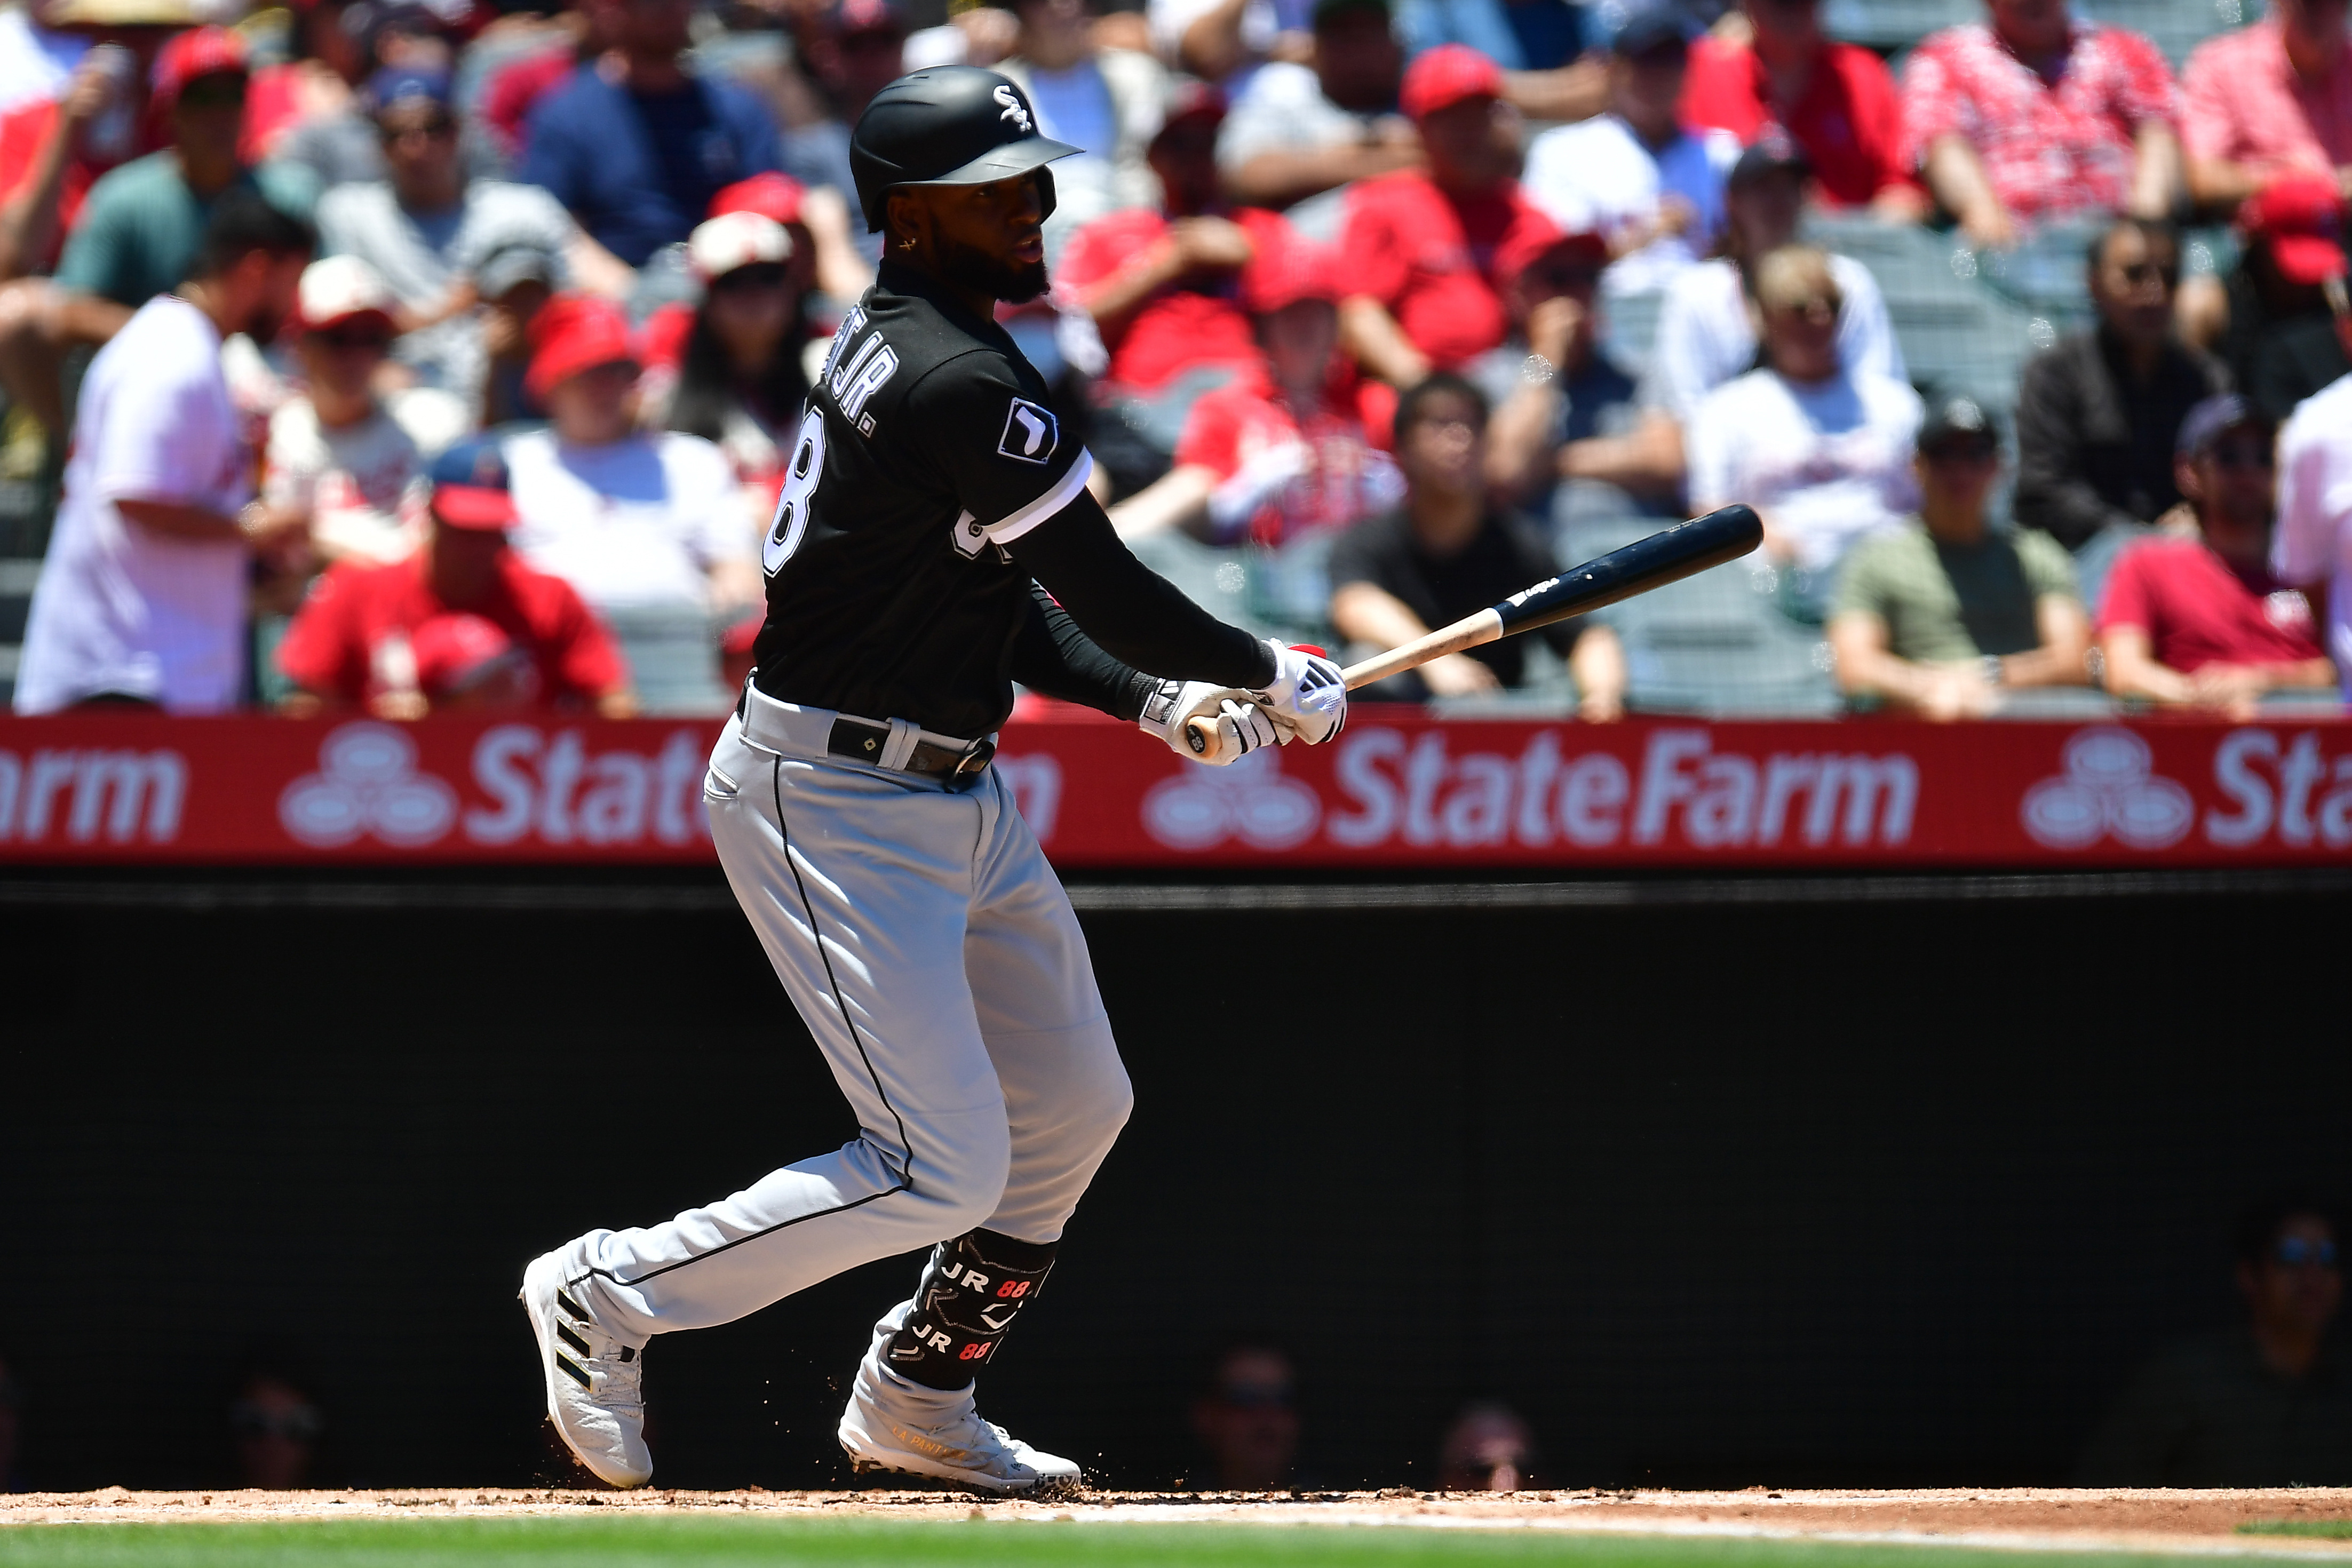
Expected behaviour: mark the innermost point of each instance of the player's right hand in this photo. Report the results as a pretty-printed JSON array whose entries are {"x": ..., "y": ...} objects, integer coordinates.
[
  {"x": 1307, "y": 696},
  {"x": 1242, "y": 726}
]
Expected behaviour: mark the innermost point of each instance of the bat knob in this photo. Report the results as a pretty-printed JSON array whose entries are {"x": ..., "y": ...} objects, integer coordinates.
[{"x": 1196, "y": 735}]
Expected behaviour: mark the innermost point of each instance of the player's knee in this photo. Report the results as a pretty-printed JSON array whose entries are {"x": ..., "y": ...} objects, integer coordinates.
[{"x": 964, "y": 1174}]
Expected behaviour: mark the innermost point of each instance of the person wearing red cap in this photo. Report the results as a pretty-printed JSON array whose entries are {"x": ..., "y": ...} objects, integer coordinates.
[
  {"x": 1835, "y": 101},
  {"x": 2097, "y": 411},
  {"x": 1421, "y": 244},
  {"x": 1163, "y": 284},
  {"x": 460, "y": 623},
  {"x": 2274, "y": 97},
  {"x": 2031, "y": 115},
  {"x": 2288, "y": 317},
  {"x": 139, "y": 230},
  {"x": 636, "y": 521},
  {"x": 825, "y": 252},
  {"x": 1564, "y": 413},
  {"x": 1274, "y": 453}
]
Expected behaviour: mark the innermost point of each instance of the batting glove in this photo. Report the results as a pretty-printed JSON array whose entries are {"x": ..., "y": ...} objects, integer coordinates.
[
  {"x": 1242, "y": 726},
  {"x": 1309, "y": 693}
]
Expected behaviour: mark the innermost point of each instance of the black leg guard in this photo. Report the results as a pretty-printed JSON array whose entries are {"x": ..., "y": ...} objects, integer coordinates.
[{"x": 970, "y": 1293}]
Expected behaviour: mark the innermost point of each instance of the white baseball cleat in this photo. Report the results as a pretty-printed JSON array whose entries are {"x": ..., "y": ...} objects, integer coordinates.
[
  {"x": 595, "y": 1384},
  {"x": 962, "y": 1448}
]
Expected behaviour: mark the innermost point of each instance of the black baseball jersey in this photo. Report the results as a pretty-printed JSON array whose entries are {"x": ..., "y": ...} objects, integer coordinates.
[{"x": 924, "y": 447}]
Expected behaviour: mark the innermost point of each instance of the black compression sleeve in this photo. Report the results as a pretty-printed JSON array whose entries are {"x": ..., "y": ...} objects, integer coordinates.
[
  {"x": 1052, "y": 657},
  {"x": 1133, "y": 612}
]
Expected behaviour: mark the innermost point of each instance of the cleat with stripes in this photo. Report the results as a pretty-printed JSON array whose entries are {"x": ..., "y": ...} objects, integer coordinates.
[{"x": 595, "y": 1384}]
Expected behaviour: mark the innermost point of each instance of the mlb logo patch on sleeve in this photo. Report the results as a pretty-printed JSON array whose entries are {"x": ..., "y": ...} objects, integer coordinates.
[{"x": 1030, "y": 433}]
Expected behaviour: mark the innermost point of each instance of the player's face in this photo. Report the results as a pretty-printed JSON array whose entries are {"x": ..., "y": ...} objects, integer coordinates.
[{"x": 991, "y": 235}]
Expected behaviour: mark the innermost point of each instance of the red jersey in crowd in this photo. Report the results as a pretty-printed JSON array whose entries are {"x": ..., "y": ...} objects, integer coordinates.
[
  {"x": 24, "y": 131},
  {"x": 343, "y": 641},
  {"x": 1195, "y": 321},
  {"x": 1849, "y": 123},
  {"x": 514, "y": 90},
  {"x": 1429, "y": 258},
  {"x": 1280, "y": 476},
  {"x": 2198, "y": 610},
  {"x": 2048, "y": 149}
]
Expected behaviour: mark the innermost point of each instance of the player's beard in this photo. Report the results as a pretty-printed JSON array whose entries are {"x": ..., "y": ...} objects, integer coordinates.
[{"x": 1015, "y": 282}]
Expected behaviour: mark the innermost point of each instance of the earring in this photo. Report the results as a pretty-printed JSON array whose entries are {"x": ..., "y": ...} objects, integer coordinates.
[{"x": 907, "y": 244}]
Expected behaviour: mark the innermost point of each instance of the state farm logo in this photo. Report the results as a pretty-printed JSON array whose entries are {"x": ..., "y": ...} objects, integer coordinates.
[
  {"x": 2107, "y": 788},
  {"x": 1201, "y": 808},
  {"x": 367, "y": 782}
]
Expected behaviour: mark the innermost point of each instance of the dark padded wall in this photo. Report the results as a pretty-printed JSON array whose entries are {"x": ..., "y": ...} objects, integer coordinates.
[{"x": 1874, "y": 1194}]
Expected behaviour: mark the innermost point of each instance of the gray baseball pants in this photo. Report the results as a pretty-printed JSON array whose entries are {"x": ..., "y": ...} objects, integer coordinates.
[{"x": 934, "y": 956}]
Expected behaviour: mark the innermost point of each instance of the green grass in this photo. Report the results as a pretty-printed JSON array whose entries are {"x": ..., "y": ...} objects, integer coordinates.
[
  {"x": 2327, "y": 1528},
  {"x": 658, "y": 1542}
]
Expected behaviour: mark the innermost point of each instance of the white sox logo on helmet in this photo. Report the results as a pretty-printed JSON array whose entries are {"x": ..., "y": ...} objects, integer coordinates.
[{"x": 1015, "y": 109}]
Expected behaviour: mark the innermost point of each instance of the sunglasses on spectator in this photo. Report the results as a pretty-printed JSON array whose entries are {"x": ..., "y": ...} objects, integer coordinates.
[
  {"x": 2294, "y": 1252},
  {"x": 1958, "y": 452},
  {"x": 1815, "y": 307},
  {"x": 757, "y": 275},
  {"x": 1254, "y": 1397},
  {"x": 439, "y": 129},
  {"x": 1565, "y": 275},
  {"x": 2139, "y": 271},
  {"x": 213, "y": 92},
  {"x": 2243, "y": 454},
  {"x": 373, "y": 339}
]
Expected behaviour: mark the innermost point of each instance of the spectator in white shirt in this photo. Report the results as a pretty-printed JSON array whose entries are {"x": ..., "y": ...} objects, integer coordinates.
[
  {"x": 142, "y": 599},
  {"x": 1821, "y": 452},
  {"x": 1105, "y": 102},
  {"x": 2313, "y": 542},
  {"x": 1636, "y": 175},
  {"x": 1706, "y": 331},
  {"x": 429, "y": 229},
  {"x": 339, "y": 454},
  {"x": 1298, "y": 131},
  {"x": 633, "y": 520}
]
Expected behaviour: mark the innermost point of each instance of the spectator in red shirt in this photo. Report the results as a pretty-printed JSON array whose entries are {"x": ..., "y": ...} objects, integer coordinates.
[
  {"x": 2200, "y": 621},
  {"x": 461, "y": 622},
  {"x": 2269, "y": 100},
  {"x": 53, "y": 149},
  {"x": 1164, "y": 288},
  {"x": 2035, "y": 116},
  {"x": 1836, "y": 102},
  {"x": 1280, "y": 452},
  {"x": 1421, "y": 244}
]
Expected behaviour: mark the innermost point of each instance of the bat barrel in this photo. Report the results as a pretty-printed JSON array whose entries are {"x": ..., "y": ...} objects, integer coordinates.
[{"x": 1667, "y": 555}]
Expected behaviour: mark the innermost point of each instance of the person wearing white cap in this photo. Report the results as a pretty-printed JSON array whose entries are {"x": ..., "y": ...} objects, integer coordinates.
[
  {"x": 738, "y": 378},
  {"x": 337, "y": 452}
]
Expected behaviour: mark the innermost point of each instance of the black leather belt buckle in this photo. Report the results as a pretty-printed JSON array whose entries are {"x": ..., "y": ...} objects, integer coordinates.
[{"x": 971, "y": 765}]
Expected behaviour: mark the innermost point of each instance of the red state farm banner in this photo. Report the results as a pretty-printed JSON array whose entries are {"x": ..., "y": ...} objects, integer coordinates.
[{"x": 1399, "y": 789}]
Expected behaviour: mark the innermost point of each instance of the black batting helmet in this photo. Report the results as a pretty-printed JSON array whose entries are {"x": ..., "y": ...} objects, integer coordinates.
[{"x": 950, "y": 125}]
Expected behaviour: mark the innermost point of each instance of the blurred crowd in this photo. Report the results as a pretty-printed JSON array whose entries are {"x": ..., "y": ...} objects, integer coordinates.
[
  {"x": 2264, "y": 1401},
  {"x": 404, "y": 355}
]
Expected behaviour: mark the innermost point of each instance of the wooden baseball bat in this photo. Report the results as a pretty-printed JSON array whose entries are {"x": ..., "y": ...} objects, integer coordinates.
[{"x": 1667, "y": 555}]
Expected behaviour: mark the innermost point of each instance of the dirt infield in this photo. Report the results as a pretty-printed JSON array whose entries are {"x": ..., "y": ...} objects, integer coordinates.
[{"x": 2139, "y": 1520}]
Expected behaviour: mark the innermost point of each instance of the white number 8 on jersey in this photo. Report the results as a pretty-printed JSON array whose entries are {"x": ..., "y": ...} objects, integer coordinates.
[{"x": 801, "y": 475}]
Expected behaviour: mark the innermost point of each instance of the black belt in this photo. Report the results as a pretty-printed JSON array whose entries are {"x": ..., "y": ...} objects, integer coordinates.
[{"x": 861, "y": 740}]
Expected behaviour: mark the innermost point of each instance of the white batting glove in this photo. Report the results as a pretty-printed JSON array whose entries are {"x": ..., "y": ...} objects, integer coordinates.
[
  {"x": 1242, "y": 726},
  {"x": 1307, "y": 696}
]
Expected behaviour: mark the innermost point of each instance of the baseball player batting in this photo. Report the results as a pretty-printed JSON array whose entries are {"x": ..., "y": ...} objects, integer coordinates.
[{"x": 935, "y": 543}]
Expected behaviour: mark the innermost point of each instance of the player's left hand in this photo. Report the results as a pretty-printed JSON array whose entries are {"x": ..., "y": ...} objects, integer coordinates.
[
  {"x": 1242, "y": 726},
  {"x": 1308, "y": 694}
]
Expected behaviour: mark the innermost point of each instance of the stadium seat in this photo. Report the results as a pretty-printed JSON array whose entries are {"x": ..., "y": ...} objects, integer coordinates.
[
  {"x": 673, "y": 660},
  {"x": 1712, "y": 645}
]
